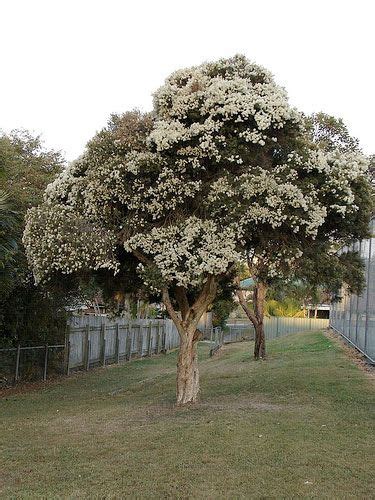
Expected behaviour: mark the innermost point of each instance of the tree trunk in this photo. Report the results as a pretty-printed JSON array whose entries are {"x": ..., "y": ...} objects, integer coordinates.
[
  {"x": 260, "y": 342},
  {"x": 256, "y": 317},
  {"x": 187, "y": 372},
  {"x": 187, "y": 383}
]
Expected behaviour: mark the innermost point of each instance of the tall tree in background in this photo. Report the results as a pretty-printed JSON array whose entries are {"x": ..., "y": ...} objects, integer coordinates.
[
  {"x": 8, "y": 221},
  {"x": 26, "y": 167},
  {"x": 222, "y": 169}
]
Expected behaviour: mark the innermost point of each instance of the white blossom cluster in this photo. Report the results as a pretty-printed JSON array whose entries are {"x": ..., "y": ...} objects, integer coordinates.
[
  {"x": 275, "y": 200},
  {"x": 198, "y": 108},
  {"x": 207, "y": 183},
  {"x": 185, "y": 252},
  {"x": 66, "y": 242}
]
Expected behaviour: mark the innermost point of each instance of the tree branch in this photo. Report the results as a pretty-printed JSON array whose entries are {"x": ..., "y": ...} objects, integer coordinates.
[
  {"x": 141, "y": 257},
  {"x": 172, "y": 313},
  {"x": 205, "y": 298},
  {"x": 249, "y": 313},
  {"x": 181, "y": 297}
]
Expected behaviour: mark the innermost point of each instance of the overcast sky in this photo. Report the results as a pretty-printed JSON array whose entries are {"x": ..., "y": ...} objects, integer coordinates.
[{"x": 66, "y": 65}]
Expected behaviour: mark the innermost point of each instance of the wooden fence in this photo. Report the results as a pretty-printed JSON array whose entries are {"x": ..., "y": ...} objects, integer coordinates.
[
  {"x": 102, "y": 341},
  {"x": 90, "y": 342}
]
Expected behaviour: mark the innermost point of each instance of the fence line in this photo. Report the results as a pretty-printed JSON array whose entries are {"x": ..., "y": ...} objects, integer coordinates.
[
  {"x": 112, "y": 342},
  {"x": 274, "y": 327},
  {"x": 102, "y": 342},
  {"x": 31, "y": 362},
  {"x": 88, "y": 346},
  {"x": 277, "y": 326},
  {"x": 354, "y": 316}
]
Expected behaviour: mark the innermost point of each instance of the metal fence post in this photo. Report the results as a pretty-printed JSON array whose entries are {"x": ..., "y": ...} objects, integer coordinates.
[
  {"x": 45, "y": 363},
  {"x": 357, "y": 305},
  {"x": 16, "y": 374},
  {"x": 368, "y": 293}
]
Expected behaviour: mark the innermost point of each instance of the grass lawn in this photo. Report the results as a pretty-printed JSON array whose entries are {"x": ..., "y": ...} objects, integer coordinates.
[{"x": 297, "y": 425}]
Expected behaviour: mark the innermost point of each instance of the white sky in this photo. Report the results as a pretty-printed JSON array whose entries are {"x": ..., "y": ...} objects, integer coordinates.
[{"x": 66, "y": 65}]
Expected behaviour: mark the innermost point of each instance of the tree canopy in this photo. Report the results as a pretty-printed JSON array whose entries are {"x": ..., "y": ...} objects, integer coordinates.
[
  {"x": 224, "y": 167},
  {"x": 27, "y": 312}
]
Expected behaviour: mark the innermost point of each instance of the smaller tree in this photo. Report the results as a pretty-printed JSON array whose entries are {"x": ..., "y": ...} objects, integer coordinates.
[{"x": 290, "y": 256}]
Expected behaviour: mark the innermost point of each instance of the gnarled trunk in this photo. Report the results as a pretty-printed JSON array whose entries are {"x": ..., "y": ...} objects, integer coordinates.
[
  {"x": 187, "y": 382},
  {"x": 187, "y": 388}
]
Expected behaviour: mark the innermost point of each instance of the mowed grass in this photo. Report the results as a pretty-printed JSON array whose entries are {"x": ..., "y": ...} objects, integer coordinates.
[{"x": 297, "y": 425}]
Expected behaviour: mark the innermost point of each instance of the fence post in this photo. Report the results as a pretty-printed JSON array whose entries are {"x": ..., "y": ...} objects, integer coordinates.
[
  {"x": 164, "y": 337},
  {"x": 16, "y": 375},
  {"x": 67, "y": 348},
  {"x": 277, "y": 326},
  {"x": 45, "y": 363},
  {"x": 68, "y": 358},
  {"x": 140, "y": 340},
  {"x": 87, "y": 348},
  {"x": 128, "y": 344},
  {"x": 357, "y": 306},
  {"x": 103, "y": 343},
  {"x": 157, "y": 347},
  {"x": 149, "y": 339},
  {"x": 117, "y": 348},
  {"x": 368, "y": 294}
]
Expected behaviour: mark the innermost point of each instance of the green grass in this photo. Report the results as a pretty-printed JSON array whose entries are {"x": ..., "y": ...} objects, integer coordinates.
[{"x": 297, "y": 425}]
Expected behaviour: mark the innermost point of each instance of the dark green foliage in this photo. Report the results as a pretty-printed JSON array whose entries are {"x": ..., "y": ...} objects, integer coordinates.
[
  {"x": 332, "y": 270},
  {"x": 27, "y": 313},
  {"x": 224, "y": 303},
  {"x": 8, "y": 224}
]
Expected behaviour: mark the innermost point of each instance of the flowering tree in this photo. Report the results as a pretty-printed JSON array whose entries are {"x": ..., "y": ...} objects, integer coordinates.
[
  {"x": 343, "y": 190},
  {"x": 221, "y": 165}
]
